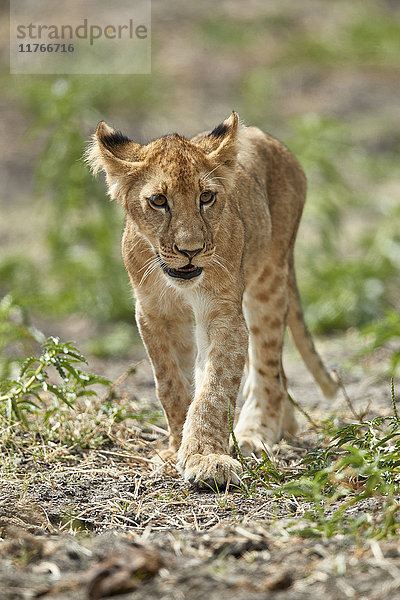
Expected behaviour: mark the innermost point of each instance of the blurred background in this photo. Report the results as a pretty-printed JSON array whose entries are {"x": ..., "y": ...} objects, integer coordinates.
[{"x": 322, "y": 76}]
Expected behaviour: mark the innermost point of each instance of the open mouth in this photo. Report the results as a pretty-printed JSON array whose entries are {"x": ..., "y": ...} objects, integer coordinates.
[
  {"x": 186, "y": 272},
  {"x": 189, "y": 271}
]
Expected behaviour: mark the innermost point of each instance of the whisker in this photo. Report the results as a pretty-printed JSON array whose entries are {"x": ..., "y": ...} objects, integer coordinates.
[
  {"x": 145, "y": 276},
  {"x": 148, "y": 262},
  {"x": 216, "y": 261},
  {"x": 212, "y": 182},
  {"x": 214, "y": 178},
  {"x": 138, "y": 241},
  {"x": 223, "y": 260},
  {"x": 150, "y": 268},
  {"x": 209, "y": 172},
  {"x": 153, "y": 267}
]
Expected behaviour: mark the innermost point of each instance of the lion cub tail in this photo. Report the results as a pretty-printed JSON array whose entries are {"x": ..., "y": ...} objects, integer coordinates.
[{"x": 304, "y": 342}]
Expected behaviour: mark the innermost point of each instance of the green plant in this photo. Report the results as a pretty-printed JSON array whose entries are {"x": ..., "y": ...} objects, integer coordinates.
[
  {"x": 17, "y": 335},
  {"x": 26, "y": 393},
  {"x": 357, "y": 461}
]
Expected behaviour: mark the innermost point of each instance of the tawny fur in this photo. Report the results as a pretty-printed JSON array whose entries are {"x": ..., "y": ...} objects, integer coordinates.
[{"x": 241, "y": 301}]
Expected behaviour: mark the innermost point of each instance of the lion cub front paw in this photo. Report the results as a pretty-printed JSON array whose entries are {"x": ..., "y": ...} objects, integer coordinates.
[{"x": 211, "y": 471}]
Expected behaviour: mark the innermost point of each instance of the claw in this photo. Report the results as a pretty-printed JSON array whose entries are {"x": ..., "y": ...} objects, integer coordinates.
[{"x": 208, "y": 485}]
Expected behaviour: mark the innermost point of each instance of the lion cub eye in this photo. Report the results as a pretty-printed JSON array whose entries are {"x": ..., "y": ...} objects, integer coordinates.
[
  {"x": 158, "y": 201},
  {"x": 207, "y": 197}
]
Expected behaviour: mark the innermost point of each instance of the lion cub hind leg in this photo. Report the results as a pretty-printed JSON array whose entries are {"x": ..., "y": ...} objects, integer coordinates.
[{"x": 267, "y": 409}]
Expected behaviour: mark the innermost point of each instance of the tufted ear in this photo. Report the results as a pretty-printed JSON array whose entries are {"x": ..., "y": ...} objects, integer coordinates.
[
  {"x": 221, "y": 143},
  {"x": 115, "y": 154}
]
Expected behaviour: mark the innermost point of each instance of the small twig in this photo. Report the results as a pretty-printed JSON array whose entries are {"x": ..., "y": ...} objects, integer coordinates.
[
  {"x": 158, "y": 429},
  {"x": 358, "y": 416},
  {"x": 133, "y": 457},
  {"x": 303, "y": 412},
  {"x": 120, "y": 380},
  {"x": 50, "y": 526},
  {"x": 396, "y": 415}
]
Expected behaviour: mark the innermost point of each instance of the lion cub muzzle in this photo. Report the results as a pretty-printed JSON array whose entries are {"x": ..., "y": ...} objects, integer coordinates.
[{"x": 188, "y": 271}]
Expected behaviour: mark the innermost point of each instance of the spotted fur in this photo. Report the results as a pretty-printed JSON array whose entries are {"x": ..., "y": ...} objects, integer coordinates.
[{"x": 243, "y": 298}]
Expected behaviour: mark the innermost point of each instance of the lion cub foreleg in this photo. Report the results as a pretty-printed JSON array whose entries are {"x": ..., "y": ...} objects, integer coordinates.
[
  {"x": 169, "y": 342},
  {"x": 203, "y": 457}
]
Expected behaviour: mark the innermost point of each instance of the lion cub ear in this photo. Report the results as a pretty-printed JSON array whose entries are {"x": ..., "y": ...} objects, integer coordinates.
[
  {"x": 221, "y": 143},
  {"x": 115, "y": 154}
]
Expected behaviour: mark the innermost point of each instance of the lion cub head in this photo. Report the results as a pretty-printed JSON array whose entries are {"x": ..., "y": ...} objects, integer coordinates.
[{"x": 173, "y": 189}]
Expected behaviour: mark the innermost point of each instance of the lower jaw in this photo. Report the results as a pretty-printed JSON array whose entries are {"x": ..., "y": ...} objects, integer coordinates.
[{"x": 184, "y": 275}]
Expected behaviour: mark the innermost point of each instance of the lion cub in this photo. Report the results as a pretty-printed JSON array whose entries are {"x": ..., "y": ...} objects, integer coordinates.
[{"x": 210, "y": 228}]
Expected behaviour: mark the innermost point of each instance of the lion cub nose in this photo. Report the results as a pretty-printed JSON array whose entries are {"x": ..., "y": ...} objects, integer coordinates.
[{"x": 189, "y": 253}]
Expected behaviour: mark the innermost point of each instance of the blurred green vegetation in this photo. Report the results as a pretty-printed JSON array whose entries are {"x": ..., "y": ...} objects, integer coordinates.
[
  {"x": 84, "y": 271},
  {"x": 348, "y": 268},
  {"x": 348, "y": 247},
  {"x": 374, "y": 38}
]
